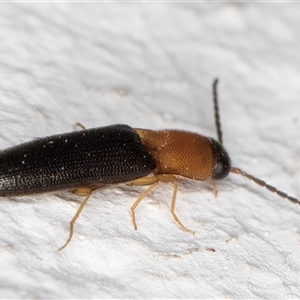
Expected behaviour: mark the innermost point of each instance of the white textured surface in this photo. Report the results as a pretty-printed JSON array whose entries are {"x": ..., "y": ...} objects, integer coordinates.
[{"x": 152, "y": 65}]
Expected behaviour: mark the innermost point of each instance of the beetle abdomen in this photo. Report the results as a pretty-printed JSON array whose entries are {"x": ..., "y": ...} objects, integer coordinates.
[{"x": 105, "y": 155}]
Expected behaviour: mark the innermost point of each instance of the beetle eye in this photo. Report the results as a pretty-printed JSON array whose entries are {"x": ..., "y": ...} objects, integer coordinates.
[
  {"x": 221, "y": 170},
  {"x": 223, "y": 164}
]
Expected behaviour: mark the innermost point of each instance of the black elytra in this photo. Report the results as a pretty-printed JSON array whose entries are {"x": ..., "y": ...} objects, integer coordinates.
[{"x": 106, "y": 155}]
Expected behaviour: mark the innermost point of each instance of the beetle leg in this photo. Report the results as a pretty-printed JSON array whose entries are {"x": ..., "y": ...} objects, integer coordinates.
[
  {"x": 215, "y": 191},
  {"x": 80, "y": 126},
  {"x": 152, "y": 181},
  {"x": 171, "y": 178},
  {"x": 81, "y": 191}
]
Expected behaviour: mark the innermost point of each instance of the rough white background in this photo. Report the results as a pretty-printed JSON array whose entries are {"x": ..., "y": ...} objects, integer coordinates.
[{"x": 151, "y": 65}]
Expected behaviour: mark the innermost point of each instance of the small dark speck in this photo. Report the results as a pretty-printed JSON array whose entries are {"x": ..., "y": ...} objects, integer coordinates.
[{"x": 210, "y": 249}]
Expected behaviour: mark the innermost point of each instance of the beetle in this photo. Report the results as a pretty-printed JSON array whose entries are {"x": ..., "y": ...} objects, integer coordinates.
[{"x": 85, "y": 160}]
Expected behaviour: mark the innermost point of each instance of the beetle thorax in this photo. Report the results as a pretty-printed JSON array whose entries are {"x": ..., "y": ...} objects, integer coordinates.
[{"x": 180, "y": 153}]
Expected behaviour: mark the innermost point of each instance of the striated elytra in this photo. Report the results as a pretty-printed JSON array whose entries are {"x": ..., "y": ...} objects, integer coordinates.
[{"x": 87, "y": 158}]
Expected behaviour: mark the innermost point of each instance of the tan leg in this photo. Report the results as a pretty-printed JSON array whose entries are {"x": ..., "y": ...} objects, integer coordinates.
[
  {"x": 214, "y": 187},
  {"x": 80, "y": 126},
  {"x": 171, "y": 178},
  {"x": 142, "y": 181},
  {"x": 153, "y": 181},
  {"x": 82, "y": 191}
]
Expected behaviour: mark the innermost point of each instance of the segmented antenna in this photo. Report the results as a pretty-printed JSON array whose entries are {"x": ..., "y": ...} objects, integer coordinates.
[
  {"x": 216, "y": 110},
  {"x": 264, "y": 184},
  {"x": 237, "y": 170}
]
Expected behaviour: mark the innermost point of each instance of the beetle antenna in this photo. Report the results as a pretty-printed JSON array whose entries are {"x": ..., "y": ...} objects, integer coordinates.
[
  {"x": 216, "y": 110},
  {"x": 237, "y": 170},
  {"x": 264, "y": 184}
]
